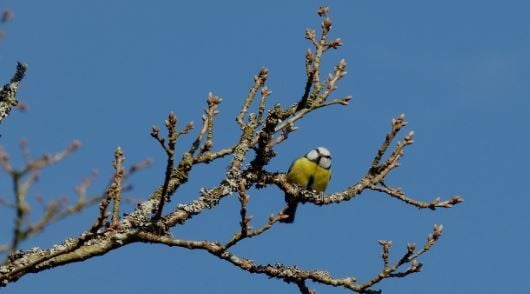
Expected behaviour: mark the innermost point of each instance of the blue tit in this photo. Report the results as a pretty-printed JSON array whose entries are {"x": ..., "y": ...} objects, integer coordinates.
[{"x": 311, "y": 172}]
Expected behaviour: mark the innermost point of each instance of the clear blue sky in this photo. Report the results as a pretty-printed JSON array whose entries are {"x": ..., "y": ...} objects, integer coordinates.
[{"x": 103, "y": 72}]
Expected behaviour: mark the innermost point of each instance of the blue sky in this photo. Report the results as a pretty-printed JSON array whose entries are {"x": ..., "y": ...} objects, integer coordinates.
[{"x": 103, "y": 72}]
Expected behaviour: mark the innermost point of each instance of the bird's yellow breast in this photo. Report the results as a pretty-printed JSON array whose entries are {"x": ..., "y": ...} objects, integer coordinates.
[{"x": 309, "y": 175}]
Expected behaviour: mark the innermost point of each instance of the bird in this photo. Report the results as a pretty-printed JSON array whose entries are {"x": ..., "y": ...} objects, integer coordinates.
[{"x": 311, "y": 172}]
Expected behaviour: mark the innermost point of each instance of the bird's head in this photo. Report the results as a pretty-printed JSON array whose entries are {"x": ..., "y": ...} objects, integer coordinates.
[{"x": 320, "y": 156}]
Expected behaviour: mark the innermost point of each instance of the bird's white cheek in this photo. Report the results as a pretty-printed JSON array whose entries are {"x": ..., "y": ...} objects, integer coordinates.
[
  {"x": 312, "y": 155},
  {"x": 324, "y": 162}
]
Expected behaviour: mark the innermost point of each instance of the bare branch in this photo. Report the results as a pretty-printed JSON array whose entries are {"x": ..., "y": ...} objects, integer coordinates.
[
  {"x": 391, "y": 271},
  {"x": 207, "y": 126},
  {"x": 173, "y": 134},
  {"x": 259, "y": 81},
  {"x": 265, "y": 92},
  {"x": 47, "y": 159},
  {"x": 397, "y": 124},
  {"x": 115, "y": 188},
  {"x": 386, "y": 252},
  {"x": 253, "y": 233},
  {"x": 5, "y": 161},
  {"x": 397, "y": 193},
  {"x": 290, "y": 274},
  {"x": 103, "y": 214},
  {"x": 22, "y": 185},
  {"x": 9, "y": 91}
]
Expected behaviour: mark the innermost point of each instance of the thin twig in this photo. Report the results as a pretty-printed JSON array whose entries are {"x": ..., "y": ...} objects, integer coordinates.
[
  {"x": 391, "y": 271},
  {"x": 397, "y": 124},
  {"x": 265, "y": 92},
  {"x": 259, "y": 81},
  {"x": 171, "y": 125},
  {"x": 173, "y": 134},
  {"x": 116, "y": 186},
  {"x": 398, "y": 194},
  {"x": 207, "y": 126},
  {"x": 253, "y": 233}
]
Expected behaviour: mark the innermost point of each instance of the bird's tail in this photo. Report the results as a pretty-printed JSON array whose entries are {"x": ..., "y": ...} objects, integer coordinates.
[{"x": 290, "y": 210}]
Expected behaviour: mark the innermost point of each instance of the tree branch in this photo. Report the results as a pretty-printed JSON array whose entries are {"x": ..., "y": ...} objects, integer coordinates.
[{"x": 9, "y": 92}]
